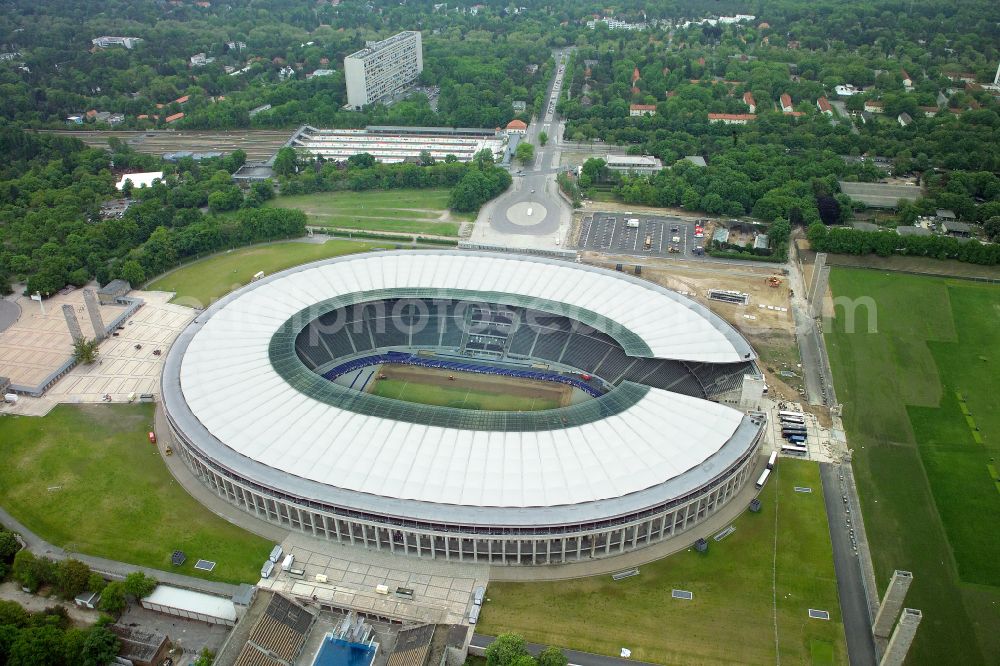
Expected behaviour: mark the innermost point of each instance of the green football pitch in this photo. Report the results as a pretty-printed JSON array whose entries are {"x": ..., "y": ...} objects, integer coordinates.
[
  {"x": 921, "y": 396},
  {"x": 752, "y": 593},
  {"x": 464, "y": 394}
]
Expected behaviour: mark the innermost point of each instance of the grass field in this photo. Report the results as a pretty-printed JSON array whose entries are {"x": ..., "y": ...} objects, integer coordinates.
[
  {"x": 87, "y": 479},
  {"x": 731, "y": 619},
  {"x": 467, "y": 391},
  {"x": 404, "y": 211},
  {"x": 922, "y": 456},
  {"x": 202, "y": 282}
]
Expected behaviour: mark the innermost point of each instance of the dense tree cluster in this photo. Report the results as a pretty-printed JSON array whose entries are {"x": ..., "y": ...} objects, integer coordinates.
[
  {"x": 845, "y": 240},
  {"x": 512, "y": 650},
  {"x": 48, "y": 638},
  {"x": 51, "y": 233}
]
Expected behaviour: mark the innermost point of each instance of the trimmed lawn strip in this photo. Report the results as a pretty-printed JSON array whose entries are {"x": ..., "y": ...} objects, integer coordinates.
[
  {"x": 202, "y": 282},
  {"x": 730, "y": 619},
  {"x": 86, "y": 478}
]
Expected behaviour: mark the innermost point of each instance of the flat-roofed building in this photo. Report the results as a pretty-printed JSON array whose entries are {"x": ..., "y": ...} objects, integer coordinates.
[
  {"x": 640, "y": 164},
  {"x": 382, "y": 68},
  {"x": 390, "y": 144}
]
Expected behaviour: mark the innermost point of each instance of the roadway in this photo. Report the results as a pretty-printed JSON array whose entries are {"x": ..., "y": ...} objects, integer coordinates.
[
  {"x": 576, "y": 658},
  {"x": 843, "y": 513},
  {"x": 532, "y": 213}
]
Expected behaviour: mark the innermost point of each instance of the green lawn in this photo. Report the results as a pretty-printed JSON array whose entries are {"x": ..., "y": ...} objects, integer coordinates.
[
  {"x": 731, "y": 618},
  {"x": 930, "y": 503},
  {"x": 202, "y": 282},
  {"x": 404, "y": 211},
  {"x": 427, "y": 394},
  {"x": 87, "y": 479}
]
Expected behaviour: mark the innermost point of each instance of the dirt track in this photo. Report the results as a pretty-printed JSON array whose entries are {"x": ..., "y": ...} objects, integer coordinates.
[{"x": 523, "y": 388}]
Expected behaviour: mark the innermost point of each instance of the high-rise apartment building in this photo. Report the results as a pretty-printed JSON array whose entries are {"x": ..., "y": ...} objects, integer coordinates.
[{"x": 382, "y": 68}]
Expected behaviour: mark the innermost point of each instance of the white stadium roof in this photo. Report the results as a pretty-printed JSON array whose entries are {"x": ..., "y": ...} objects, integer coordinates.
[{"x": 254, "y": 418}]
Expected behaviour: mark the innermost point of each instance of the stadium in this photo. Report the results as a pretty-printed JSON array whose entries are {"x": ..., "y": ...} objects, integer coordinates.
[{"x": 468, "y": 406}]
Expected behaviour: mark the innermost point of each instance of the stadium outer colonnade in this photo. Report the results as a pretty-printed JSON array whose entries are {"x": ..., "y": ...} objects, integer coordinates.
[{"x": 494, "y": 545}]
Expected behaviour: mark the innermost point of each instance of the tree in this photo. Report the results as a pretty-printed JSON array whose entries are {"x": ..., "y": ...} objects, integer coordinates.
[
  {"x": 11, "y": 613},
  {"x": 205, "y": 658},
  {"x": 361, "y": 161},
  {"x": 285, "y": 162},
  {"x": 72, "y": 578},
  {"x": 85, "y": 351},
  {"x": 506, "y": 650},
  {"x": 100, "y": 647},
  {"x": 132, "y": 272},
  {"x": 524, "y": 153},
  {"x": 552, "y": 656},
  {"x": 992, "y": 228},
  {"x": 543, "y": 138},
  {"x": 8, "y": 545},
  {"x": 37, "y": 646},
  {"x": 139, "y": 585},
  {"x": 96, "y": 583},
  {"x": 113, "y": 599}
]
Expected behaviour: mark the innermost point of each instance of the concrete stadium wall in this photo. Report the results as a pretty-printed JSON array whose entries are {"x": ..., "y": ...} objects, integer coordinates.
[{"x": 487, "y": 544}]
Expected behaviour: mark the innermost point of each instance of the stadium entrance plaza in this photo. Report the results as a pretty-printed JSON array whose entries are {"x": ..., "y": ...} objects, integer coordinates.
[
  {"x": 442, "y": 591},
  {"x": 122, "y": 370}
]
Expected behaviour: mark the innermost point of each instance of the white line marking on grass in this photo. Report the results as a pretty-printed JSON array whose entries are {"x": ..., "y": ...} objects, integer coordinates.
[{"x": 774, "y": 570}]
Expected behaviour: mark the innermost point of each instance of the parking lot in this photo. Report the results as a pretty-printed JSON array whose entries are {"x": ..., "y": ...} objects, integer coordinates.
[{"x": 653, "y": 236}]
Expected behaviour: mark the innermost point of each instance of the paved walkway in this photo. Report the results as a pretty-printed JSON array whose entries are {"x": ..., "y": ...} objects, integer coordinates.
[
  {"x": 111, "y": 568},
  {"x": 576, "y": 658}
]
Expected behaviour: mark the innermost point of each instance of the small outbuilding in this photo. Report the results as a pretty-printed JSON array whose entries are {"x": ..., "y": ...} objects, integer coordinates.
[
  {"x": 140, "y": 180},
  {"x": 517, "y": 127},
  {"x": 112, "y": 291},
  {"x": 909, "y": 230},
  {"x": 87, "y": 600},
  {"x": 141, "y": 648},
  {"x": 957, "y": 229}
]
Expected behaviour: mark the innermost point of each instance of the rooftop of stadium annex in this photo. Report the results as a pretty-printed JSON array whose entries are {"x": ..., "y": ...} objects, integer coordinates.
[{"x": 234, "y": 384}]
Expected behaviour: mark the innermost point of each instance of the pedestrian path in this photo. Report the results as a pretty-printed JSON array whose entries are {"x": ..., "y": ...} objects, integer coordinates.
[{"x": 112, "y": 568}]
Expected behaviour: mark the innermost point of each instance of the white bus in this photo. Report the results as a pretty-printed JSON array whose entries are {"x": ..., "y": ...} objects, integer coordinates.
[
  {"x": 763, "y": 478},
  {"x": 792, "y": 419},
  {"x": 773, "y": 459},
  {"x": 794, "y": 414},
  {"x": 795, "y": 449}
]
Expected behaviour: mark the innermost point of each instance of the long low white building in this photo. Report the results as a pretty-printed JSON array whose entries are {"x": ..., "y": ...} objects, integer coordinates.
[
  {"x": 398, "y": 144},
  {"x": 192, "y": 605}
]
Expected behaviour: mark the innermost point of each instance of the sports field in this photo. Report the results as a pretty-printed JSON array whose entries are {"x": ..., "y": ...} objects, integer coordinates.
[
  {"x": 405, "y": 211},
  {"x": 752, "y": 592},
  {"x": 87, "y": 479},
  {"x": 921, "y": 403},
  {"x": 202, "y": 282},
  {"x": 464, "y": 390}
]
